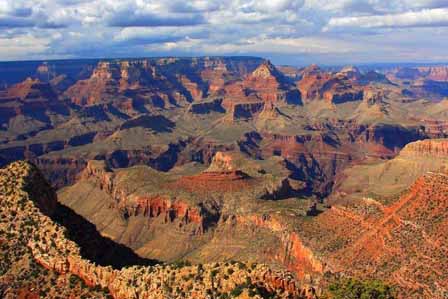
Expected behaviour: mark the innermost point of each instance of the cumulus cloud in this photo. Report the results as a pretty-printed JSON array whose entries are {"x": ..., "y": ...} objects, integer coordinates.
[
  {"x": 130, "y": 19},
  {"x": 272, "y": 28},
  {"x": 27, "y": 14},
  {"x": 24, "y": 45},
  {"x": 422, "y": 18},
  {"x": 159, "y": 35}
]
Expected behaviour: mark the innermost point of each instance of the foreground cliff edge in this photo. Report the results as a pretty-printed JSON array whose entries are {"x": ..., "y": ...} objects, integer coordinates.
[{"x": 29, "y": 235}]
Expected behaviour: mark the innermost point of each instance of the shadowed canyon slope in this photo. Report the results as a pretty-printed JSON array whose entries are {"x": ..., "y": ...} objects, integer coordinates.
[
  {"x": 33, "y": 236},
  {"x": 327, "y": 173}
]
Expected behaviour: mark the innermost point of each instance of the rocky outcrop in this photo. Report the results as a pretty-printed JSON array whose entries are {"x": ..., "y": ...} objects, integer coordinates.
[
  {"x": 192, "y": 87},
  {"x": 60, "y": 171},
  {"x": 265, "y": 84},
  {"x": 424, "y": 82},
  {"x": 128, "y": 84},
  {"x": 426, "y": 148},
  {"x": 435, "y": 128},
  {"x": 245, "y": 111},
  {"x": 311, "y": 82},
  {"x": 342, "y": 93},
  {"x": 270, "y": 111},
  {"x": 292, "y": 253},
  {"x": 334, "y": 88},
  {"x": 31, "y": 89},
  {"x": 150, "y": 206},
  {"x": 430, "y": 88},
  {"x": 347, "y": 85},
  {"x": 411, "y": 217},
  {"x": 50, "y": 247},
  {"x": 404, "y": 73},
  {"x": 222, "y": 175},
  {"x": 223, "y": 181},
  {"x": 222, "y": 162},
  {"x": 351, "y": 73},
  {"x": 206, "y": 107},
  {"x": 271, "y": 86},
  {"x": 31, "y": 98},
  {"x": 435, "y": 73}
]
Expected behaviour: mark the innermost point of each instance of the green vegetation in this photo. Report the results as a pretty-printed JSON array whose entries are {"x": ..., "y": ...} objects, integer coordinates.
[
  {"x": 181, "y": 264},
  {"x": 356, "y": 289}
]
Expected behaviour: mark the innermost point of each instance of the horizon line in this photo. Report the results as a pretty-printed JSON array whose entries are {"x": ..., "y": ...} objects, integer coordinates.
[{"x": 223, "y": 56}]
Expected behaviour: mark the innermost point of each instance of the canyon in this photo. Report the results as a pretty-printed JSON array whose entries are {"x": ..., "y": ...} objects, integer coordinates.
[{"x": 309, "y": 175}]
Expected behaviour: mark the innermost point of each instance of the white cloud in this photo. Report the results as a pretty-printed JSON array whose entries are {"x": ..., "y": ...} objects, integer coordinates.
[
  {"x": 26, "y": 46},
  {"x": 289, "y": 46},
  {"x": 422, "y": 18},
  {"x": 327, "y": 28}
]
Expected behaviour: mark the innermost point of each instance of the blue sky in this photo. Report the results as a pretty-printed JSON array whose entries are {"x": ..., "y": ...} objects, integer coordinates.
[{"x": 295, "y": 32}]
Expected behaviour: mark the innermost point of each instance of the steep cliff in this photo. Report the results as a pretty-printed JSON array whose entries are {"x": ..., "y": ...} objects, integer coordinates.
[
  {"x": 402, "y": 241},
  {"x": 385, "y": 180},
  {"x": 48, "y": 244},
  {"x": 334, "y": 88}
]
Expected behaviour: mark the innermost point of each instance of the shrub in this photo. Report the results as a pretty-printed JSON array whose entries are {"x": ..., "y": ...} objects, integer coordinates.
[
  {"x": 356, "y": 289},
  {"x": 181, "y": 263},
  {"x": 213, "y": 273},
  {"x": 237, "y": 291}
]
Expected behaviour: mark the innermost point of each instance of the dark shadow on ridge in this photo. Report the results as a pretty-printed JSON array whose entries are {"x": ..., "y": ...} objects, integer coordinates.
[{"x": 95, "y": 247}]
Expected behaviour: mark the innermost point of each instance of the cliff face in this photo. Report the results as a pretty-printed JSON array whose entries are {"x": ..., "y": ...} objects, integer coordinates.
[
  {"x": 426, "y": 81},
  {"x": 136, "y": 82},
  {"x": 334, "y": 88},
  {"x": 170, "y": 209},
  {"x": 211, "y": 218},
  {"x": 207, "y": 107},
  {"x": 50, "y": 247},
  {"x": 161, "y": 83},
  {"x": 246, "y": 97},
  {"x": 31, "y": 89},
  {"x": 167, "y": 112},
  {"x": 426, "y": 148},
  {"x": 293, "y": 254},
  {"x": 271, "y": 86},
  {"x": 386, "y": 218},
  {"x": 245, "y": 111},
  {"x": 436, "y": 73},
  {"x": 30, "y": 98},
  {"x": 393, "y": 245}
]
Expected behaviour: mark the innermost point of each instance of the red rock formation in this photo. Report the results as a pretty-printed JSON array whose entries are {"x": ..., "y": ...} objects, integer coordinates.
[
  {"x": 289, "y": 71},
  {"x": 436, "y": 73},
  {"x": 23, "y": 186},
  {"x": 215, "y": 72},
  {"x": 228, "y": 181},
  {"x": 92, "y": 91},
  {"x": 270, "y": 111},
  {"x": 311, "y": 82},
  {"x": 271, "y": 86},
  {"x": 435, "y": 128},
  {"x": 402, "y": 241},
  {"x": 151, "y": 206},
  {"x": 292, "y": 253},
  {"x": 245, "y": 111},
  {"x": 264, "y": 84},
  {"x": 31, "y": 89},
  {"x": 206, "y": 107},
  {"x": 125, "y": 84},
  {"x": 351, "y": 72},
  {"x": 335, "y": 88},
  {"x": 193, "y": 88}
]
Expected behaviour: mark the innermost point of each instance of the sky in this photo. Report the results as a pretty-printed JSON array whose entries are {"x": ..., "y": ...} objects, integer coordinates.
[{"x": 293, "y": 32}]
